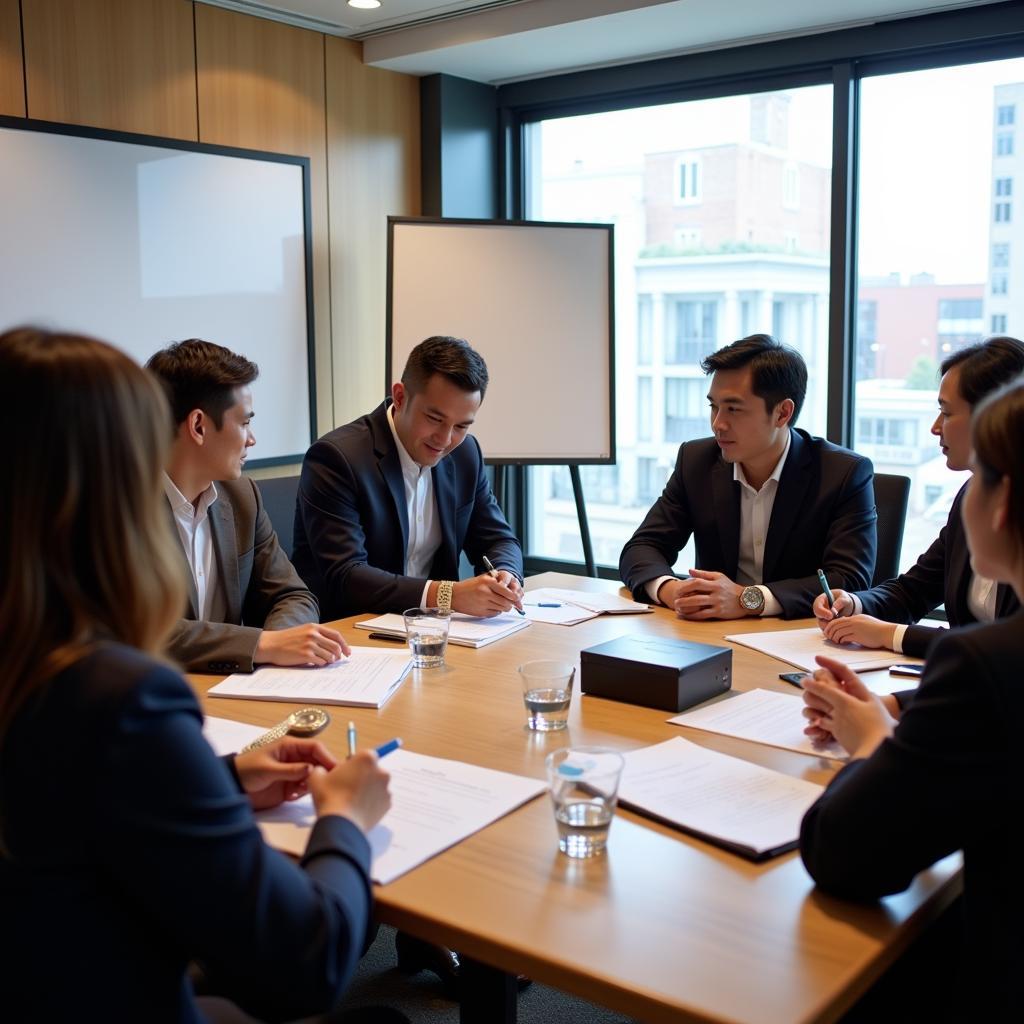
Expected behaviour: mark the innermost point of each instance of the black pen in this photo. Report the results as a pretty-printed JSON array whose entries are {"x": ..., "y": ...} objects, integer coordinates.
[
  {"x": 493, "y": 573},
  {"x": 387, "y": 636}
]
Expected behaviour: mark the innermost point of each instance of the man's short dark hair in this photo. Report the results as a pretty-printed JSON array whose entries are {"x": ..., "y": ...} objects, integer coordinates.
[
  {"x": 985, "y": 366},
  {"x": 777, "y": 371},
  {"x": 452, "y": 358},
  {"x": 200, "y": 375}
]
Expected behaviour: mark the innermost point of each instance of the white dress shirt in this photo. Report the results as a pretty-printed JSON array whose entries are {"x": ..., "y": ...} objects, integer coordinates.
[
  {"x": 421, "y": 511},
  {"x": 193, "y": 523},
  {"x": 755, "y": 517}
]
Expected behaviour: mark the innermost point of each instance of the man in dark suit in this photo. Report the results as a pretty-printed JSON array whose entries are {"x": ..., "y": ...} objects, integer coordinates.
[
  {"x": 767, "y": 505},
  {"x": 387, "y": 503},
  {"x": 247, "y": 605}
]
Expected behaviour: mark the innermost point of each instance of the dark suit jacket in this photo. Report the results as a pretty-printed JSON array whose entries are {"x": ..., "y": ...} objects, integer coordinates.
[
  {"x": 259, "y": 586},
  {"x": 132, "y": 851},
  {"x": 942, "y": 575},
  {"x": 823, "y": 517},
  {"x": 951, "y": 778},
  {"x": 351, "y": 523}
]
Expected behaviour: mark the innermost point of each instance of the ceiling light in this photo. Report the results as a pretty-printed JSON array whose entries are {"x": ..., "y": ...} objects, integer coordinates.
[{"x": 364, "y": 5}]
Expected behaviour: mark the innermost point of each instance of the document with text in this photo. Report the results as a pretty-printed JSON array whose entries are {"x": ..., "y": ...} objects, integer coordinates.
[
  {"x": 740, "y": 806},
  {"x": 464, "y": 630},
  {"x": 798, "y": 647},
  {"x": 762, "y": 716},
  {"x": 366, "y": 679},
  {"x": 569, "y": 607},
  {"x": 435, "y": 803}
]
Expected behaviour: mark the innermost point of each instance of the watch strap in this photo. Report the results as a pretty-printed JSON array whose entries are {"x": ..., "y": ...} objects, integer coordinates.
[{"x": 444, "y": 595}]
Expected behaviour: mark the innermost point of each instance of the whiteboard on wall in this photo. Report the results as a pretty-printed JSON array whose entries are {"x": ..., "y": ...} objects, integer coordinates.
[
  {"x": 142, "y": 242},
  {"x": 535, "y": 300}
]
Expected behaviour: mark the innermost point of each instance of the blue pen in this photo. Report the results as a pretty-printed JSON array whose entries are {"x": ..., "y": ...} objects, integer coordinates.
[
  {"x": 825, "y": 588},
  {"x": 388, "y": 748},
  {"x": 548, "y": 604}
]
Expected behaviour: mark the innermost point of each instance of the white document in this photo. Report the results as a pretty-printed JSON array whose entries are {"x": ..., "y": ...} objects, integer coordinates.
[
  {"x": 762, "y": 716},
  {"x": 434, "y": 804},
  {"x": 738, "y": 805},
  {"x": 366, "y": 679},
  {"x": 798, "y": 647},
  {"x": 464, "y": 631},
  {"x": 573, "y": 606}
]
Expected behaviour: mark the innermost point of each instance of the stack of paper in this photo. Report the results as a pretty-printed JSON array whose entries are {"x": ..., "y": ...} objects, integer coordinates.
[
  {"x": 366, "y": 679},
  {"x": 742, "y": 807},
  {"x": 568, "y": 607},
  {"x": 434, "y": 804},
  {"x": 465, "y": 630},
  {"x": 800, "y": 646},
  {"x": 763, "y": 716}
]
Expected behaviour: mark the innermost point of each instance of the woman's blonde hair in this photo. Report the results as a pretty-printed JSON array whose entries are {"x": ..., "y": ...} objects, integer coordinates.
[{"x": 86, "y": 552}]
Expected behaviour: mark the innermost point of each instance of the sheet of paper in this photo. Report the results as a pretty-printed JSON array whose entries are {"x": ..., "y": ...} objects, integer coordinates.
[
  {"x": 762, "y": 716},
  {"x": 799, "y": 646},
  {"x": 435, "y": 804},
  {"x": 721, "y": 796},
  {"x": 366, "y": 679},
  {"x": 464, "y": 631}
]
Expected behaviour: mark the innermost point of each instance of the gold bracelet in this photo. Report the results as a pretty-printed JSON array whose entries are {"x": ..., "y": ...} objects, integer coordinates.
[{"x": 444, "y": 595}]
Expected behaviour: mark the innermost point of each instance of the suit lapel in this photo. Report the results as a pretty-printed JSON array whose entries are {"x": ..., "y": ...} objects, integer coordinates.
[
  {"x": 225, "y": 550},
  {"x": 444, "y": 498},
  {"x": 391, "y": 470},
  {"x": 1006, "y": 601},
  {"x": 789, "y": 500},
  {"x": 193, "y": 597},
  {"x": 725, "y": 495},
  {"x": 959, "y": 573}
]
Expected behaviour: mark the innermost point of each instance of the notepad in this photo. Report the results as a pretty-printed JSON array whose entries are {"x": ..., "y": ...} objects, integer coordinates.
[
  {"x": 368, "y": 678},
  {"x": 742, "y": 807},
  {"x": 574, "y": 606},
  {"x": 761, "y": 716},
  {"x": 464, "y": 631},
  {"x": 435, "y": 804},
  {"x": 799, "y": 647}
]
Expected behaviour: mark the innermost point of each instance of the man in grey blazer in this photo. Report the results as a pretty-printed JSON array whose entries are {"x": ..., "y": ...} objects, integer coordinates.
[{"x": 246, "y": 605}]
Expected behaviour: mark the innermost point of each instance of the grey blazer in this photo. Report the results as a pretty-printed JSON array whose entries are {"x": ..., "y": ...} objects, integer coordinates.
[{"x": 257, "y": 587}]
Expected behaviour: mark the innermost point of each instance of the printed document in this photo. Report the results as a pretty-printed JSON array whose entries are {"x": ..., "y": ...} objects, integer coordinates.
[
  {"x": 799, "y": 646},
  {"x": 763, "y": 716},
  {"x": 435, "y": 804},
  {"x": 568, "y": 607},
  {"x": 741, "y": 806},
  {"x": 464, "y": 631},
  {"x": 365, "y": 679}
]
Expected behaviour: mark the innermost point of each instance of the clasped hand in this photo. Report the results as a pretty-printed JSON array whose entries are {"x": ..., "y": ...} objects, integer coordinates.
[{"x": 705, "y": 595}]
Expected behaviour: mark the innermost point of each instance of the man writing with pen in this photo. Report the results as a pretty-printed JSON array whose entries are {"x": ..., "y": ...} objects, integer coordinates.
[{"x": 388, "y": 502}]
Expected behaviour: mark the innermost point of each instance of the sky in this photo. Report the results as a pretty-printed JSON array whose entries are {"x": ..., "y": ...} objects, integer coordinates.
[{"x": 925, "y": 171}]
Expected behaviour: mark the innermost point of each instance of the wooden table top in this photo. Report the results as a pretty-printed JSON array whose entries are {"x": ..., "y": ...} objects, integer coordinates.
[{"x": 664, "y": 927}]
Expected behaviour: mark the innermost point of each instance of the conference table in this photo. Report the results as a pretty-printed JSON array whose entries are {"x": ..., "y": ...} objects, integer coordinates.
[{"x": 663, "y": 926}]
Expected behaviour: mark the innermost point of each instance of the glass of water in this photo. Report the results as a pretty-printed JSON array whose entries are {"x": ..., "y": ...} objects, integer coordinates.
[
  {"x": 427, "y": 632},
  {"x": 547, "y": 689},
  {"x": 584, "y": 786}
]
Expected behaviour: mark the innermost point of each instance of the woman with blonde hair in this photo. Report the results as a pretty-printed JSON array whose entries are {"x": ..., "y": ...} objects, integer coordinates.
[
  {"x": 949, "y": 775},
  {"x": 127, "y": 849}
]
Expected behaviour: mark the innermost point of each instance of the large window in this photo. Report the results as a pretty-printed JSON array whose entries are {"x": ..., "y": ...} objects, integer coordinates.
[
  {"x": 934, "y": 271},
  {"x": 722, "y": 213}
]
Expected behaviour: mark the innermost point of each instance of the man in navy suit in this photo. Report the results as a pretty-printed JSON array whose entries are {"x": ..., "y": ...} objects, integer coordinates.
[
  {"x": 387, "y": 503},
  {"x": 767, "y": 504}
]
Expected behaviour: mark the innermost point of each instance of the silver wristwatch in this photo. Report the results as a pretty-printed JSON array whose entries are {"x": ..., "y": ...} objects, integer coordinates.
[{"x": 752, "y": 600}]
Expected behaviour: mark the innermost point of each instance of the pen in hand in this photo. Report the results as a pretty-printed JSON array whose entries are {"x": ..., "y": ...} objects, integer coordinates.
[
  {"x": 493, "y": 573},
  {"x": 382, "y": 751},
  {"x": 825, "y": 588}
]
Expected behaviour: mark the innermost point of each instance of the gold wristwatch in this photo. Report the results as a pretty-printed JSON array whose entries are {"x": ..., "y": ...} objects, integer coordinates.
[
  {"x": 304, "y": 722},
  {"x": 444, "y": 595}
]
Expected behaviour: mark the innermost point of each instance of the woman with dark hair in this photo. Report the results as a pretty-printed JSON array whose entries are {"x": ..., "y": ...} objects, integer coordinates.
[
  {"x": 127, "y": 849},
  {"x": 948, "y": 776}
]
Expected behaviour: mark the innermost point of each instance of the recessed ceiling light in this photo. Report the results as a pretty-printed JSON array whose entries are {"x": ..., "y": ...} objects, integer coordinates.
[{"x": 364, "y": 5}]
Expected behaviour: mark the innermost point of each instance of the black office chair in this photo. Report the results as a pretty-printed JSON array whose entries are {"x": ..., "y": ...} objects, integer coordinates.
[
  {"x": 279, "y": 496},
  {"x": 892, "y": 494}
]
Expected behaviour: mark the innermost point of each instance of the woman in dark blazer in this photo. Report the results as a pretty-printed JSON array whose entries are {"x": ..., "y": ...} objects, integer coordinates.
[
  {"x": 127, "y": 849},
  {"x": 949, "y": 775},
  {"x": 886, "y": 615}
]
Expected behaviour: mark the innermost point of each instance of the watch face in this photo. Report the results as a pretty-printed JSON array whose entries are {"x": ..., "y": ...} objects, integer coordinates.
[
  {"x": 308, "y": 720},
  {"x": 751, "y": 598}
]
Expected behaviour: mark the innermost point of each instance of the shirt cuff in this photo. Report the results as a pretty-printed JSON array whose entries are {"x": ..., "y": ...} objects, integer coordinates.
[
  {"x": 771, "y": 603},
  {"x": 653, "y": 586},
  {"x": 897, "y": 639},
  {"x": 858, "y": 605},
  {"x": 423, "y": 596}
]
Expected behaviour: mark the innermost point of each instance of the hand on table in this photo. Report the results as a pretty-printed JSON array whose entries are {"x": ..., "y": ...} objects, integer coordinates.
[
  {"x": 308, "y": 644},
  {"x": 356, "y": 789},
  {"x": 705, "y": 595},
  {"x": 865, "y": 630},
  {"x": 280, "y": 772},
  {"x": 487, "y": 595}
]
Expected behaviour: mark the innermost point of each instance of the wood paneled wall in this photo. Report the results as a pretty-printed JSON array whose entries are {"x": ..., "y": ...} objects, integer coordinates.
[{"x": 187, "y": 70}]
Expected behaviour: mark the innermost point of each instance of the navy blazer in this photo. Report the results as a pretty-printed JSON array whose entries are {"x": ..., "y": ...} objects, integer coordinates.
[
  {"x": 130, "y": 851},
  {"x": 950, "y": 778},
  {"x": 351, "y": 522},
  {"x": 823, "y": 517},
  {"x": 942, "y": 575}
]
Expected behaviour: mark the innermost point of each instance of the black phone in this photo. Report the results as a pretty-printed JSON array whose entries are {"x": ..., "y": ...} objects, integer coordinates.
[
  {"x": 794, "y": 678},
  {"x": 906, "y": 670}
]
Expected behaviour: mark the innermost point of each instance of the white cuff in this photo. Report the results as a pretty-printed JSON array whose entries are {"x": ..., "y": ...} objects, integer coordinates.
[
  {"x": 858, "y": 606},
  {"x": 897, "y": 638},
  {"x": 653, "y": 586},
  {"x": 771, "y": 603},
  {"x": 423, "y": 596}
]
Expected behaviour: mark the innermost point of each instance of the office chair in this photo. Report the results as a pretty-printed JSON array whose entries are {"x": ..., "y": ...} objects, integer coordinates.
[
  {"x": 279, "y": 496},
  {"x": 892, "y": 494}
]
